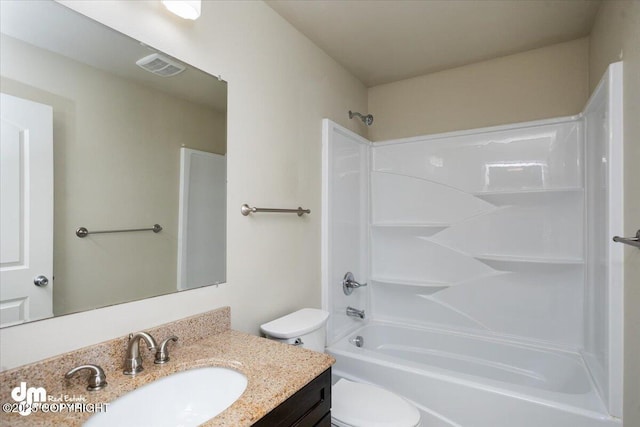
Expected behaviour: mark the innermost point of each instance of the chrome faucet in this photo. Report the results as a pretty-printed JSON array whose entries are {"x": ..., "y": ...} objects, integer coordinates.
[
  {"x": 133, "y": 360},
  {"x": 349, "y": 283},
  {"x": 354, "y": 312}
]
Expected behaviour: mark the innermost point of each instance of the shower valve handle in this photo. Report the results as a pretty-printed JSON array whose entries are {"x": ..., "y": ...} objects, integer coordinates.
[{"x": 349, "y": 283}]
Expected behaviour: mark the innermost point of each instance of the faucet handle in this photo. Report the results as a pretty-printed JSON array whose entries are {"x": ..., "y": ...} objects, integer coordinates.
[
  {"x": 97, "y": 378},
  {"x": 162, "y": 355},
  {"x": 349, "y": 283}
]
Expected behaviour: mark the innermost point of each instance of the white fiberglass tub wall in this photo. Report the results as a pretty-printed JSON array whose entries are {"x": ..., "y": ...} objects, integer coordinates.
[
  {"x": 482, "y": 230},
  {"x": 463, "y": 380},
  {"x": 481, "y": 234},
  {"x": 345, "y": 213},
  {"x": 603, "y": 326}
]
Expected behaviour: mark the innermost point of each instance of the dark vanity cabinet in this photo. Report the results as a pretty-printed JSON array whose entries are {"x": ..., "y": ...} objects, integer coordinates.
[{"x": 309, "y": 407}]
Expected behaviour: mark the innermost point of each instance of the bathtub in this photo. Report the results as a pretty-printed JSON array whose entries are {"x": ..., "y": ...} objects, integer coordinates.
[{"x": 457, "y": 379}]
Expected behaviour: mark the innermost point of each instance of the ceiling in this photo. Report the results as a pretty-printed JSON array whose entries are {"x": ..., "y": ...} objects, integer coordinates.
[{"x": 381, "y": 41}]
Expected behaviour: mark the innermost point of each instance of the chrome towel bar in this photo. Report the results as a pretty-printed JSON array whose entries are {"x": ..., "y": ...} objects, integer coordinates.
[
  {"x": 246, "y": 210},
  {"x": 633, "y": 241},
  {"x": 83, "y": 232}
]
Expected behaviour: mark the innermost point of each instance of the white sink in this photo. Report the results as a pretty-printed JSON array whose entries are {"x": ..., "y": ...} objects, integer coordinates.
[{"x": 186, "y": 398}]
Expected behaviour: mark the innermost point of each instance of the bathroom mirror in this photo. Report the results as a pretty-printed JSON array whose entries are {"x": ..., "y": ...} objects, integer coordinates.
[{"x": 134, "y": 145}]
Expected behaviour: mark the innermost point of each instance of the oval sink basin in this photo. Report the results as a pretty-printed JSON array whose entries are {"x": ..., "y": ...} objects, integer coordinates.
[{"x": 186, "y": 398}]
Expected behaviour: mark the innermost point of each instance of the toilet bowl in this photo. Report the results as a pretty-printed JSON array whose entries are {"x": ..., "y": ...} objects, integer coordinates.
[{"x": 353, "y": 404}]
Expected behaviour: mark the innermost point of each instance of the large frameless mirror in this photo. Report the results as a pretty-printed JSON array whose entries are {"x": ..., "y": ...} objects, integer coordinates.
[{"x": 113, "y": 167}]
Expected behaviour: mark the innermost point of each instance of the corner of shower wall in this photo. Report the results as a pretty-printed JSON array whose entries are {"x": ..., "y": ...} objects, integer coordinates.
[
  {"x": 604, "y": 259},
  {"x": 345, "y": 221}
]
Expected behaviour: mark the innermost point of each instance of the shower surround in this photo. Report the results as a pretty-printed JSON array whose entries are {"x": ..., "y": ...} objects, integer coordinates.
[{"x": 492, "y": 276}]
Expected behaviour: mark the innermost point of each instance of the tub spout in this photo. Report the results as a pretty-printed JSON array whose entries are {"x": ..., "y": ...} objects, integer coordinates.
[{"x": 354, "y": 312}]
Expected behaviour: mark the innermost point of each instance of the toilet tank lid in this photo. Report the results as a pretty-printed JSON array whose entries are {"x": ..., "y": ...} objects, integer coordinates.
[{"x": 296, "y": 324}]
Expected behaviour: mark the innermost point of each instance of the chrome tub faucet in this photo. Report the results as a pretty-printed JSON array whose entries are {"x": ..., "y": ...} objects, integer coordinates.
[
  {"x": 354, "y": 312},
  {"x": 349, "y": 283}
]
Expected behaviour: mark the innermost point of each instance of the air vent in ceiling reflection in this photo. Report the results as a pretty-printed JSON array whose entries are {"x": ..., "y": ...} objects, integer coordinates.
[{"x": 160, "y": 65}]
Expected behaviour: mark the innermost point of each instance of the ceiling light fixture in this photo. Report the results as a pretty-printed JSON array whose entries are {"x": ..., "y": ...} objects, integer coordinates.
[{"x": 187, "y": 9}]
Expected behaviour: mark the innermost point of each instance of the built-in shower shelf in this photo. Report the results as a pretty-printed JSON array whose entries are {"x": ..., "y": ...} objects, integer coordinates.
[
  {"x": 512, "y": 263},
  {"x": 502, "y": 258},
  {"x": 429, "y": 228},
  {"x": 409, "y": 282},
  {"x": 527, "y": 196}
]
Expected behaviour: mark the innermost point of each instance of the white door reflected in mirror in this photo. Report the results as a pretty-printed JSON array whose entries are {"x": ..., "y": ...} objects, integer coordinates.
[{"x": 26, "y": 210}]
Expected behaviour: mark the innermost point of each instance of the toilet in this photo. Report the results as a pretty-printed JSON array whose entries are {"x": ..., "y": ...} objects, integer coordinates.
[{"x": 353, "y": 404}]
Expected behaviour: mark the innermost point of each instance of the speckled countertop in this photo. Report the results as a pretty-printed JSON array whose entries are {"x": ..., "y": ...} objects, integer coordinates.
[{"x": 274, "y": 371}]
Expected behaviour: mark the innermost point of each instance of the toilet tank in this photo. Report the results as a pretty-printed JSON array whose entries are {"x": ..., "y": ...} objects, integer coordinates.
[{"x": 306, "y": 328}]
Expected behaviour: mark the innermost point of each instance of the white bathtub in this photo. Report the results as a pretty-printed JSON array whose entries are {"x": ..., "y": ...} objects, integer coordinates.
[{"x": 457, "y": 379}]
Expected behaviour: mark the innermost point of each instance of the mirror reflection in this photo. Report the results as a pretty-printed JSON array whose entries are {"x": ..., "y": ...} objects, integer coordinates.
[{"x": 103, "y": 132}]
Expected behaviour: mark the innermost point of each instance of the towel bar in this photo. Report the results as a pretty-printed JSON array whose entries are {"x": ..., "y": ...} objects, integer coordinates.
[
  {"x": 246, "y": 210},
  {"x": 83, "y": 232},
  {"x": 633, "y": 241}
]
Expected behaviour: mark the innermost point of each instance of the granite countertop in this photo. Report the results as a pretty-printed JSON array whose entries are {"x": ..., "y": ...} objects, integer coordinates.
[{"x": 274, "y": 372}]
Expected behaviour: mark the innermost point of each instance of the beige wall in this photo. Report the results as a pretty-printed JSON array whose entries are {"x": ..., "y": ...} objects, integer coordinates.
[
  {"x": 542, "y": 83},
  {"x": 280, "y": 87},
  {"x": 615, "y": 36},
  {"x": 116, "y": 165}
]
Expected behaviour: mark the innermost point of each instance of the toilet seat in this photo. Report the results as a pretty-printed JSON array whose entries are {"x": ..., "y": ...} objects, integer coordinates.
[{"x": 364, "y": 405}]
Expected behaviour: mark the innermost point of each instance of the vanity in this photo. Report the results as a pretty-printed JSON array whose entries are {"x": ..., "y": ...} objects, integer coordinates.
[{"x": 285, "y": 385}]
